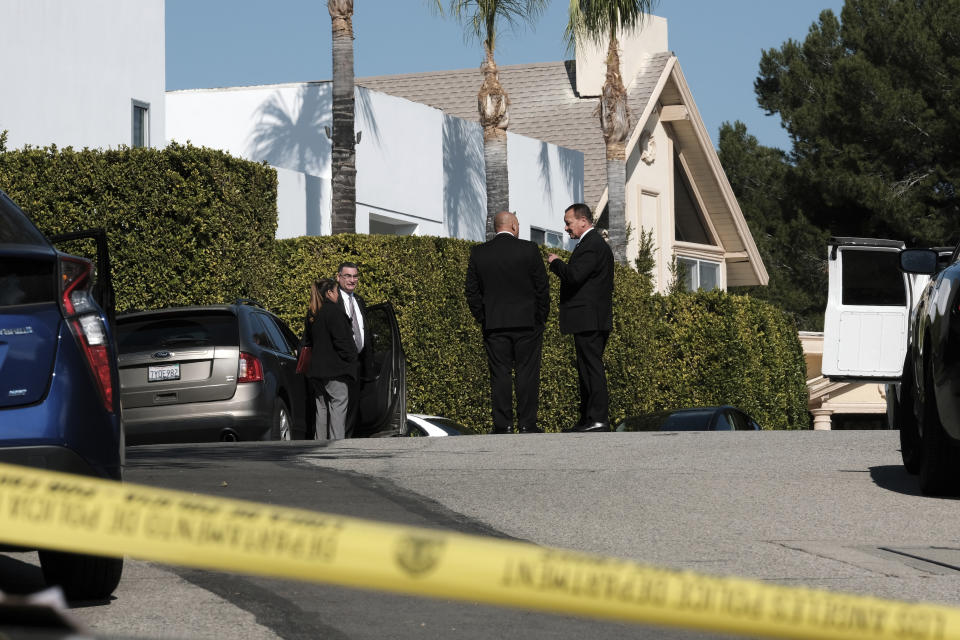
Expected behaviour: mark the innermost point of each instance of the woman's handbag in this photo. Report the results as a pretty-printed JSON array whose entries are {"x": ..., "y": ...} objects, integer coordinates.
[{"x": 303, "y": 360}]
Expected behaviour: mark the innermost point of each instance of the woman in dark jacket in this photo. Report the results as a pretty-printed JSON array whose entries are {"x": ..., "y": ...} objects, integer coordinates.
[{"x": 334, "y": 360}]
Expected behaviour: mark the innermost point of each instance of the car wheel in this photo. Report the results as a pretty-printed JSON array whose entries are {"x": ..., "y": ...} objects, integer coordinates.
[
  {"x": 81, "y": 577},
  {"x": 901, "y": 416},
  {"x": 939, "y": 457},
  {"x": 280, "y": 427}
]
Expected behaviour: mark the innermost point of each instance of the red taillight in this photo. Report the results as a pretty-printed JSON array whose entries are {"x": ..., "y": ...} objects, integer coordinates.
[
  {"x": 250, "y": 368},
  {"x": 85, "y": 322}
]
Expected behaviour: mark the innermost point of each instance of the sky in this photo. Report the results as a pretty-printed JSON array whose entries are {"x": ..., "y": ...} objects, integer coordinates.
[{"x": 225, "y": 43}]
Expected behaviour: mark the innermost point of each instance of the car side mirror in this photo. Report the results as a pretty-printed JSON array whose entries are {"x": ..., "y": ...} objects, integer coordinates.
[{"x": 918, "y": 261}]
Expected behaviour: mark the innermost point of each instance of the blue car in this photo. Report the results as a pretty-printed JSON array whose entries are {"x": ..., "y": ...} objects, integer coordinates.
[{"x": 59, "y": 393}]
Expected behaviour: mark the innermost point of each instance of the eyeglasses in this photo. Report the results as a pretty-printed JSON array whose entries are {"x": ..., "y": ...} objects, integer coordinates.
[{"x": 350, "y": 276}]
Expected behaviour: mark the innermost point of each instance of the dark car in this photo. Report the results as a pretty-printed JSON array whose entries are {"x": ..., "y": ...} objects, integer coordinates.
[
  {"x": 930, "y": 433},
  {"x": 217, "y": 372},
  {"x": 722, "y": 418},
  {"x": 59, "y": 400}
]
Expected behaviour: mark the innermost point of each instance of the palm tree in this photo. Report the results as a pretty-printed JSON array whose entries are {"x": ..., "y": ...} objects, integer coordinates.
[
  {"x": 343, "y": 168},
  {"x": 599, "y": 20},
  {"x": 482, "y": 19}
]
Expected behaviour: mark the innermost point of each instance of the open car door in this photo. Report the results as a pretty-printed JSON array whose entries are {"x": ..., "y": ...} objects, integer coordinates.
[
  {"x": 868, "y": 308},
  {"x": 383, "y": 398},
  {"x": 102, "y": 289}
]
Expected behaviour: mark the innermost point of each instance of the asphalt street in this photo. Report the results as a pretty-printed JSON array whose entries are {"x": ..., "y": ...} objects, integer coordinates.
[{"x": 831, "y": 510}]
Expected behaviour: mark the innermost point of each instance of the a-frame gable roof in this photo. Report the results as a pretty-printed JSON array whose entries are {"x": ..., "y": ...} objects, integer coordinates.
[{"x": 545, "y": 105}]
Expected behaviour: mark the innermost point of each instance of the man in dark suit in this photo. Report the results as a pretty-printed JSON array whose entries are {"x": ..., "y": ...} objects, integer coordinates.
[
  {"x": 586, "y": 311},
  {"x": 348, "y": 275},
  {"x": 509, "y": 295}
]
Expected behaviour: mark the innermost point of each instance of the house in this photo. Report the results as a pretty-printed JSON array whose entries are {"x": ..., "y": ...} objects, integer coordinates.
[
  {"x": 419, "y": 171},
  {"x": 676, "y": 188},
  {"x": 82, "y": 74}
]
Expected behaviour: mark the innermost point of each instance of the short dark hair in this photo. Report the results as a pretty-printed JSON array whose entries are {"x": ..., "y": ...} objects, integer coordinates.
[
  {"x": 349, "y": 265},
  {"x": 580, "y": 210}
]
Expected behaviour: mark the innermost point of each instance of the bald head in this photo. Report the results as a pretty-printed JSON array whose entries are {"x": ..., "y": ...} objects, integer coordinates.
[{"x": 506, "y": 221}]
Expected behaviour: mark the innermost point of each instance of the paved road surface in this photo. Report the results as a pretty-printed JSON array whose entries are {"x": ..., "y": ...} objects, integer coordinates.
[{"x": 832, "y": 510}]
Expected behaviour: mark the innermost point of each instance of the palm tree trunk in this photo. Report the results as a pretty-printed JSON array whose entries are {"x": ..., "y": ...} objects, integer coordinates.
[
  {"x": 492, "y": 104},
  {"x": 344, "y": 162},
  {"x": 615, "y": 122}
]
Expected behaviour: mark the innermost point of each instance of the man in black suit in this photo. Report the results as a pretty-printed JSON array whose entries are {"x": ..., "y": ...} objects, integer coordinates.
[
  {"x": 586, "y": 311},
  {"x": 348, "y": 275},
  {"x": 509, "y": 295}
]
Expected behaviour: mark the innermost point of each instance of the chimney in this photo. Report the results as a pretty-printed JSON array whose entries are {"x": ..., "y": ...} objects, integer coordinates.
[{"x": 635, "y": 47}]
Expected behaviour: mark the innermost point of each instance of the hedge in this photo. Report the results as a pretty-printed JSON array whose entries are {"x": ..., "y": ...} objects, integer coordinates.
[
  {"x": 664, "y": 352},
  {"x": 189, "y": 225},
  {"x": 185, "y": 225}
]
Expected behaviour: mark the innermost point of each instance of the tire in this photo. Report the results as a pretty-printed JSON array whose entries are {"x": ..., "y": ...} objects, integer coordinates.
[
  {"x": 938, "y": 470},
  {"x": 901, "y": 416},
  {"x": 81, "y": 577},
  {"x": 281, "y": 424}
]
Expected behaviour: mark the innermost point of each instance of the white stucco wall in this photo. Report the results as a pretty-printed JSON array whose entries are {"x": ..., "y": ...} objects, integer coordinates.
[
  {"x": 544, "y": 180},
  {"x": 418, "y": 170},
  {"x": 70, "y": 70}
]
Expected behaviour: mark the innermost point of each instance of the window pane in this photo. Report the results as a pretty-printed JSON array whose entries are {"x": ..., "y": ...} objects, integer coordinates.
[
  {"x": 689, "y": 273},
  {"x": 709, "y": 275},
  {"x": 872, "y": 278},
  {"x": 139, "y": 126},
  {"x": 554, "y": 239},
  {"x": 218, "y": 330},
  {"x": 537, "y": 235}
]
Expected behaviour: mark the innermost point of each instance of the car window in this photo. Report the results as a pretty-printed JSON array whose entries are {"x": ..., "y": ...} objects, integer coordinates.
[
  {"x": 723, "y": 422},
  {"x": 687, "y": 421},
  {"x": 170, "y": 332},
  {"x": 414, "y": 430},
  {"x": 872, "y": 278},
  {"x": 448, "y": 426},
  {"x": 288, "y": 341},
  {"x": 261, "y": 335},
  {"x": 740, "y": 421},
  {"x": 25, "y": 281},
  {"x": 15, "y": 226},
  {"x": 276, "y": 340}
]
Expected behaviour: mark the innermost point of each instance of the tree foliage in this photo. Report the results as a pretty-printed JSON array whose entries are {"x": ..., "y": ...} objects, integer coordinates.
[
  {"x": 792, "y": 248},
  {"x": 870, "y": 103}
]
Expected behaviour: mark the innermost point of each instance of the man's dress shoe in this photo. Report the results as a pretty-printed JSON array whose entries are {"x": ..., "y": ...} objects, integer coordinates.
[
  {"x": 533, "y": 429},
  {"x": 503, "y": 430},
  {"x": 589, "y": 428}
]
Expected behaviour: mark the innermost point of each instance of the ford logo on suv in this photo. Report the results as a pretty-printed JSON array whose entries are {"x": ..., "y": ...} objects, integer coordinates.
[{"x": 160, "y": 355}]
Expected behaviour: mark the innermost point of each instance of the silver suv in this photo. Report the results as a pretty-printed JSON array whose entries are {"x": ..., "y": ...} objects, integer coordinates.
[{"x": 218, "y": 372}]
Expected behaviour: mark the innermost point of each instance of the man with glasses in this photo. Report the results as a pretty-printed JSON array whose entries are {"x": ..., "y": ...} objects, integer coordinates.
[
  {"x": 508, "y": 294},
  {"x": 348, "y": 275}
]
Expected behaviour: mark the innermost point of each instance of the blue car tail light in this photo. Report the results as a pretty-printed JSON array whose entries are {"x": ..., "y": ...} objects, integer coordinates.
[{"x": 86, "y": 324}]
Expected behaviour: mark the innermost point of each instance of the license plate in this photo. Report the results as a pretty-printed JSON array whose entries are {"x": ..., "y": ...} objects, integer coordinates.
[{"x": 161, "y": 372}]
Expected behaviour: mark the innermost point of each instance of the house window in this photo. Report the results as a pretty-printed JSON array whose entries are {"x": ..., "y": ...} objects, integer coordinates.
[
  {"x": 700, "y": 274},
  {"x": 688, "y": 220},
  {"x": 140, "y": 129},
  {"x": 546, "y": 238}
]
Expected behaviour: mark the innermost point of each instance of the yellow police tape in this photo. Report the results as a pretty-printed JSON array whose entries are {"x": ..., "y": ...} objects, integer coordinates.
[{"x": 75, "y": 513}]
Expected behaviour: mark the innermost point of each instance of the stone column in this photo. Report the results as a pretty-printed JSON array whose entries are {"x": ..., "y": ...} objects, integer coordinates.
[{"x": 821, "y": 419}]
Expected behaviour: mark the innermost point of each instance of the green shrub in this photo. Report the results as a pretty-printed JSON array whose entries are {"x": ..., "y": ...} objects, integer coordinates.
[
  {"x": 185, "y": 225},
  {"x": 664, "y": 352},
  {"x": 195, "y": 226}
]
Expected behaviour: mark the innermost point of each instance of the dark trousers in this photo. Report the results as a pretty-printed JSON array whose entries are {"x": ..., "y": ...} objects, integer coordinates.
[
  {"x": 509, "y": 349},
  {"x": 592, "y": 378}
]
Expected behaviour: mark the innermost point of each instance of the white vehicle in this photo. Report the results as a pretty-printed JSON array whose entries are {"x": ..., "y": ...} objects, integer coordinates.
[
  {"x": 419, "y": 425},
  {"x": 871, "y": 335}
]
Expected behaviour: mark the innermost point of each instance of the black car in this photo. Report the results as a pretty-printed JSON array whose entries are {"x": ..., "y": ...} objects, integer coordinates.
[
  {"x": 721, "y": 418},
  {"x": 59, "y": 395},
  {"x": 928, "y": 402}
]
